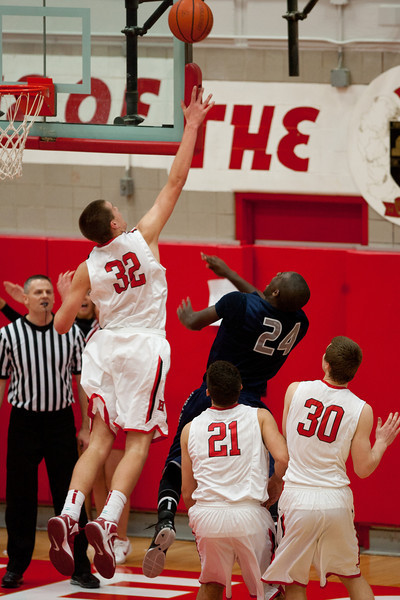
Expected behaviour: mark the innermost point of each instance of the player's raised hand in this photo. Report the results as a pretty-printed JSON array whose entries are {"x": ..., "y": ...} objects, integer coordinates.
[
  {"x": 197, "y": 109},
  {"x": 185, "y": 312},
  {"x": 388, "y": 432},
  {"x": 216, "y": 264},
  {"x": 64, "y": 283},
  {"x": 14, "y": 290}
]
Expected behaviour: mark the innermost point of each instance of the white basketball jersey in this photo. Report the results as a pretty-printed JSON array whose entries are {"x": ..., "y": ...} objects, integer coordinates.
[
  {"x": 229, "y": 459},
  {"x": 320, "y": 426},
  {"x": 128, "y": 284}
]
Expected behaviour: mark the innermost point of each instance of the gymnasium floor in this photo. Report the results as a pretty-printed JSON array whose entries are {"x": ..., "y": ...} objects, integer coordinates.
[{"x": 179, "y": 580}]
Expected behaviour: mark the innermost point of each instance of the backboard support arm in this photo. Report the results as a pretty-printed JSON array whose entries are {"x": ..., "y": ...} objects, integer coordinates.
[
  {"x": 131, "y": 32},
  {"x": 293, "y": 16}
]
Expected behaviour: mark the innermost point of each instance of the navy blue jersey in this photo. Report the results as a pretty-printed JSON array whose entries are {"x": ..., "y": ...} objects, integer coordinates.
[{"x": 256, "y": 337}]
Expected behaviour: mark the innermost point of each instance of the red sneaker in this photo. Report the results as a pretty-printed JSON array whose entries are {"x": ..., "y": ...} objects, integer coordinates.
[
  {"x": 62, "y": 531},
  {"x": 100, "y": 534}
]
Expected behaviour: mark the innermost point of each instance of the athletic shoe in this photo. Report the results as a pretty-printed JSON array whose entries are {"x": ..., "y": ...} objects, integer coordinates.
[
  {"x": 100, "y": 534},
  {"x": 85, "y": 580},
  {"x": 121, "y": 550},
  {"x": 62, "y": 531},
  {"x": 154, "y": 559},
  {"x": 11, "y": 580}
]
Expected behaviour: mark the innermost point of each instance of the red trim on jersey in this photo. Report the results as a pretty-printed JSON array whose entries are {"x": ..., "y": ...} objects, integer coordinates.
[
  {"x": 335, "y": 387},
  {"x": 154, "y": 390},
  {"x": 105, "y": 416},
  {"x": 113, "y": 238},
  {"x": 155, "y": 428},
  {"x": 283, "y": 524},
  {"x": 272, "y": 539},
  {"x": 224, "y": 407}
]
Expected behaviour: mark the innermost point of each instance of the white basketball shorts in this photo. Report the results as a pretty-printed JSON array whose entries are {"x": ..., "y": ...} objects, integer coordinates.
[
  {"x": 252, "y": 551},
  {"x": 123, "y": 374},
  {"x": 322, "y": 535}
]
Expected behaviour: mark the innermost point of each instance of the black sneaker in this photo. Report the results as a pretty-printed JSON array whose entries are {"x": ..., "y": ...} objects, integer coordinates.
[
  {"x": 154, "y": 559},
  {"x": 85, "y": 580}
]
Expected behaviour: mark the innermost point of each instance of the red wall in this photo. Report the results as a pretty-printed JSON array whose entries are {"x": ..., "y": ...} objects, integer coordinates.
[{"x": 341, "y": 283}]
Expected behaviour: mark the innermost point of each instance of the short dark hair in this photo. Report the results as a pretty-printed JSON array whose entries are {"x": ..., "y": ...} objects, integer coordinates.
[
  {"x": 344, "y": 356},
  {"x": 294, "y": 292},
  {"x": 28, "y": 282},
  {"x": 223, "y": 383},
  {"x": 95, "y": 220}
]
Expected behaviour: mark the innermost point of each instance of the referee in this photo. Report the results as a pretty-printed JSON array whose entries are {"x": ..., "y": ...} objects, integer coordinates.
[{"x": 39, "y": 363}]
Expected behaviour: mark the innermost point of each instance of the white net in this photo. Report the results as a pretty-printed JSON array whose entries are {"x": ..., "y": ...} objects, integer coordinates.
[{"x": 19, "y": 113}]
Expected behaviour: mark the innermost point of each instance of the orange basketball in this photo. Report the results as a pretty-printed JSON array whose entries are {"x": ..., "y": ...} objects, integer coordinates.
[{"x": 190, "y": 20}]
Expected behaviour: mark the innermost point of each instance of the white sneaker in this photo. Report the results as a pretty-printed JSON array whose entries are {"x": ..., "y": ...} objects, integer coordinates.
[{"x": 122, "y": 548}]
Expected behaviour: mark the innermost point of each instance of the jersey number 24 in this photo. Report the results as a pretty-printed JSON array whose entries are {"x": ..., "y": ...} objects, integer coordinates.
[{"x": 275, "y": 326}]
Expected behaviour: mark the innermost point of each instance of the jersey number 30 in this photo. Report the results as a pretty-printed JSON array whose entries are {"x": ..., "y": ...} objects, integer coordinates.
[
  {"x": 215, "y": 447},
  {"x": 324, "y": 422}
]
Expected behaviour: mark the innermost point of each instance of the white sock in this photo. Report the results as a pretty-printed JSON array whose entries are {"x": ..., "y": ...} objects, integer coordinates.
[
  {"x": 114, "y": 506},
  {"x": 73, "y": 504}
]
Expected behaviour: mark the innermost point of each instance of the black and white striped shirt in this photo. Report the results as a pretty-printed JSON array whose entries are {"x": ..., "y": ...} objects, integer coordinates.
[{"x": 40, "y": 363}]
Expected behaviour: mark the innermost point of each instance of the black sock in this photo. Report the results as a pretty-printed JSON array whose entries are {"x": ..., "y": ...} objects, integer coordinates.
[{"x": 169, "y": 492}]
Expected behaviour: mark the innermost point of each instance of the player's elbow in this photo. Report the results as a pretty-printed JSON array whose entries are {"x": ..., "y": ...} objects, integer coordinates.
[
  {"x": 280, "y": 466},
  {"x": 60, "y": 325},
  {"x": 363, "y": 470},
  {"x": 178, "y": 181},
  {"x": 187, "y": 498}
]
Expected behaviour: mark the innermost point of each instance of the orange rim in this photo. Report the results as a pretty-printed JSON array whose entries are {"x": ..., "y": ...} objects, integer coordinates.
[{"x": 17, "y": 90}]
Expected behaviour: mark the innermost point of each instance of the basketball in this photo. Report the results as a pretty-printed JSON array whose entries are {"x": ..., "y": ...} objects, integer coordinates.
[{"x": 190, "y": 20}]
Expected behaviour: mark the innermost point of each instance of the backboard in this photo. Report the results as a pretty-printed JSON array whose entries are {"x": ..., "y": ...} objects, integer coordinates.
[{"x": 95, "y": 51}]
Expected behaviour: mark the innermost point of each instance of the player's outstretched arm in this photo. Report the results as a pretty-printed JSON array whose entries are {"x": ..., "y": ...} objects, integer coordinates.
[
  {"x": 220, "y": 268},
  {"x": 195, "y": 320},
  {"x": 276, "y": 445},
  {"x": 365, "y": 458},
  {"x": 154, "y": 220},
  {"x": 66, "y": 314}
]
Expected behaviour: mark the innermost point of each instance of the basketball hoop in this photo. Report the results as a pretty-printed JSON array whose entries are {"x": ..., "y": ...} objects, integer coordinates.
[{"x": 20, "y": 105}]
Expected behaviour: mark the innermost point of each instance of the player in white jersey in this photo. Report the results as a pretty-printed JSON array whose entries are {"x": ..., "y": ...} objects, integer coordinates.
[
  {"x": 226, "y": 488},
  {"x": 323, "y": 422},
  {"x": 125, "y": 362}
]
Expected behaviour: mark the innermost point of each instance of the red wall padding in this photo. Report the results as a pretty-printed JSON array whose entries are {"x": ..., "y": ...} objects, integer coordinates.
[{"x": 341, "y": 283}]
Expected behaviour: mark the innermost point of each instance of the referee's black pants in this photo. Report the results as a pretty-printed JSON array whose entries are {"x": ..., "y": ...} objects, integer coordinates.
[{"x": 32, "y": 437}]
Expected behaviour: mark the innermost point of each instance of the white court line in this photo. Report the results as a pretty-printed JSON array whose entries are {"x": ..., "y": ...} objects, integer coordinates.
[{"x": 376, "y": 598}]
